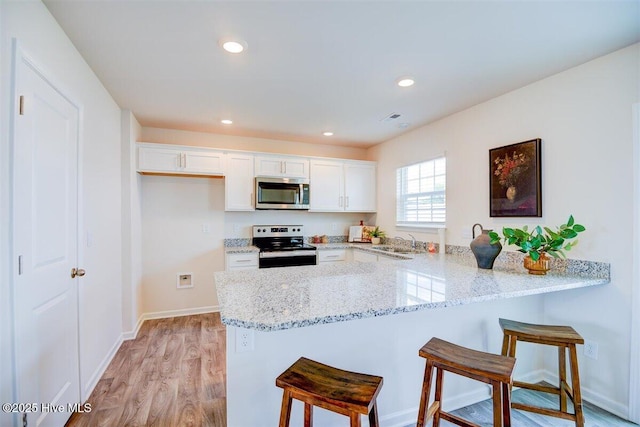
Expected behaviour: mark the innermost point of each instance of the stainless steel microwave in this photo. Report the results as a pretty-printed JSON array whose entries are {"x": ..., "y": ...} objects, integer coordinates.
[{"x": 282, "y": 193}]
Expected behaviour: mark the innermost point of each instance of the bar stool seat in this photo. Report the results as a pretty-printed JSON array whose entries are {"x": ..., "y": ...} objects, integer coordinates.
[
  {"x": 492, "y": 369},
  {"x": 563, "y": 337},
  {"x": 316, "y": 384}
]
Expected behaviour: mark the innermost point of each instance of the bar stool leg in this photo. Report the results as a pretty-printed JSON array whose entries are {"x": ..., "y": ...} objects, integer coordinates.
[
  {"x": 505, "y": 345},
  {"x": 355, "y": 419},
  {"x": 497, "y": 404},
  {"x": 373, "y": 416},
  {"x": 285, "y": 411},
  {"x": 438, "y": 396},
  {"x": 575, "y": 386},
  {"x": 426, "y": 391},
  {"x": 562, "y": 374},
  {"x": 308, "y": 415},
  {"x": 506, "y": 404}
]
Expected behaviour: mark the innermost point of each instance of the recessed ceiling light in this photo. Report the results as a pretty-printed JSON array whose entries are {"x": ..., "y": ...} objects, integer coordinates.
[
  {"x": 327, "y": 133},
  {"x": 226, "y": 121},
  {"x": 233, "y": 46},
  {"x": 405, "y": 82}
]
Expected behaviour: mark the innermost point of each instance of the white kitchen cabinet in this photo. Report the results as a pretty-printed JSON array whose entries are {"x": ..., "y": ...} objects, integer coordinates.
[
  {"x": 363, "y": 256},
  {"x": 286, "y": 167},
  {"x": 239, "y": 183},
  {"x": 342, "y": 186},
  {"x": 242, "y": 261},
  {"x": 360, "y": 187},
  {"x": 172, "y": 159},
  {"x": 332, "y": 256}
]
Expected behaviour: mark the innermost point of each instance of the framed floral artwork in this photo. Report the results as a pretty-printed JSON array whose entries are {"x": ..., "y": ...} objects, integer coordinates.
[{"x": 515, "y": 180}]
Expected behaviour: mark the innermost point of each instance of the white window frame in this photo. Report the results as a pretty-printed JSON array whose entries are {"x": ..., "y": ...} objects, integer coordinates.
[{"x": 402, "y": 194}]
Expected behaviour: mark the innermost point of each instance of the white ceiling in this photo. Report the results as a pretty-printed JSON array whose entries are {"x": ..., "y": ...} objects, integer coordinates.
[{"x": 313, "y": 66}]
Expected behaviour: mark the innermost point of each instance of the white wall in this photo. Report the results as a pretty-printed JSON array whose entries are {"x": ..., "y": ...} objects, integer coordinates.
[
  {"x": 180, "y": 137},
  {"x": 174, "y": 210},
  {"x": 100, "y": 294},
  {"x": 131, "y": 227},
  {"x": 584, "y": 118}
]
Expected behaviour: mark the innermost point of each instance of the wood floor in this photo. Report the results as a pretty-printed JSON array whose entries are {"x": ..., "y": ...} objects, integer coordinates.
[{"x": 172, "y": 374}]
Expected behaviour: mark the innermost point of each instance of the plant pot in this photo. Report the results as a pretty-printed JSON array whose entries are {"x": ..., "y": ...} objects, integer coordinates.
[
  {"x": 539, "y": 267},
  {"x": 375, "y": 240}
]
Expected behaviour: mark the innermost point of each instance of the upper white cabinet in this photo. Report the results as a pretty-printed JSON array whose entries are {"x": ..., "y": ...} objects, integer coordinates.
[
  {"x": 238, "y": 186},
  {"x": 342, "y": 186},
  {"x": 171, "y": 159},
  {"x": 290, "y": 167}
]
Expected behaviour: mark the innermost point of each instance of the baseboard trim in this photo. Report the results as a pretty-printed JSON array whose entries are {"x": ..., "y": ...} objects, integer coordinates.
[
  {"x": 595, "y": 398},
  {"x": 131, "y": 335},
  {"x": 97, "y": 374}
]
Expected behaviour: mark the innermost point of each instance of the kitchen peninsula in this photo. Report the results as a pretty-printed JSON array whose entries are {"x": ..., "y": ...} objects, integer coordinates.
[{"x": 373, "y": 318}]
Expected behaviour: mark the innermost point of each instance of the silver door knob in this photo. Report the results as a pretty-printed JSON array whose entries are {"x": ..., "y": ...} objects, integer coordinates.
[{"x": 77, "y": 272}]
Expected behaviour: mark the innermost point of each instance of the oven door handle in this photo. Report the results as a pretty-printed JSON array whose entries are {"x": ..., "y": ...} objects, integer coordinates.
[{"x": 286, "y": 254}]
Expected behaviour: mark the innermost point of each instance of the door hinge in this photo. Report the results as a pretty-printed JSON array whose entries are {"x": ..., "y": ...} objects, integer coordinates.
[
  {"x": 21, "y": 105},
  {"x": 19, "y": 265},
  {"x": 25, "y": 423}
]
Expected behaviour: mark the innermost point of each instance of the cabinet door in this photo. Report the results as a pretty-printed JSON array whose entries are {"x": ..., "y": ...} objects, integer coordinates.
[
  {"x": 364, "y": 256},
  {"x": 269, "y": 166},
  {"x": 360, "y": 187},
  {"x": 332, "y": 256},
  {"x": 238, "y": 185},
  {"x": 243, "y": 261},
  {"x": 327, "y": 186},
  {"x": 159, "y": 160},
  {"x": 291, "y": 167},
  {"x": 203, "y": 162},
  {"x": 296, "y": 168}
]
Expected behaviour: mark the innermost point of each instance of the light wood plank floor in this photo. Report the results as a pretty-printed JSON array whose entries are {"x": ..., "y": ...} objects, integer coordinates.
[
  {"x": 482, "y": 413},
  {"x": 173, "y": 374}
]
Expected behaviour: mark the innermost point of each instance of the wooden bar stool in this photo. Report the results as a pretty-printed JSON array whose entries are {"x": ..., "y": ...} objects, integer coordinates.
[
  {"x": 343, "y": 392},
  {"x": 492, "y": 369},
  {"x": 563, "y": 337}
]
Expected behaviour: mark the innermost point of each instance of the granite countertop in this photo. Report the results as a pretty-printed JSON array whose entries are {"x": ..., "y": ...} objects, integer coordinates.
[{"x": 291, "y": 297}]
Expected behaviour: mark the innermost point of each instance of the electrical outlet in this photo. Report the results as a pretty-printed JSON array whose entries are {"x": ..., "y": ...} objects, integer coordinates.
[
  {"x": 591, "y": 349},
  {"x": 244, "y": 340},
  {"x": 334, "y": 227},
  {"x": 206, "y": 228}
]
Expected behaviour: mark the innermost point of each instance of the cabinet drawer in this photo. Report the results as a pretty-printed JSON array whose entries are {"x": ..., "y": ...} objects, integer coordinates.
[
  {"x": 245, "y": 261},
  {"x": 332, "y": 255}
]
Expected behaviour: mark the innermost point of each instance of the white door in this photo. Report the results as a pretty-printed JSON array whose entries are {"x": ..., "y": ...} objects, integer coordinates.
[{"x": 45, "y": 202}]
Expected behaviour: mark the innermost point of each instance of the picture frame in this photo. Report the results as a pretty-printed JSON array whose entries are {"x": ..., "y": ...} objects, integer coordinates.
[{"x": 515, "y": 180}]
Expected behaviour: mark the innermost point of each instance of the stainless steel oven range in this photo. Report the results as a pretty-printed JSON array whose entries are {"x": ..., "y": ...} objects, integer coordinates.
[{"x": 282, "y": 246}]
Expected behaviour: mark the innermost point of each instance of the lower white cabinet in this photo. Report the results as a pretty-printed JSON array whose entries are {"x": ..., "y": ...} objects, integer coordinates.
[
  {"x": 363, "y": 256},
  {"x": 242, "y": 261},
  {"x": 332, "y": 256}
]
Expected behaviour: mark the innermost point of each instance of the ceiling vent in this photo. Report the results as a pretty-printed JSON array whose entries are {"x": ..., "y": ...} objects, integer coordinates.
[{"x": 390, "y": 117}]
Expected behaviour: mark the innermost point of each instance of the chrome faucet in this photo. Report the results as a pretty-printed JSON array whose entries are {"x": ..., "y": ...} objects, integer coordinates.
[{"x": 413, "y": 242}]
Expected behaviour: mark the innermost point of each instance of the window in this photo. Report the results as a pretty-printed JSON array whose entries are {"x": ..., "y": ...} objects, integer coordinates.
[{"x": 421, "y": 194}]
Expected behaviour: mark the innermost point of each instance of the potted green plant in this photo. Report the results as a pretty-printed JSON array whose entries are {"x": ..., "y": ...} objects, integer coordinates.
[
  {"x": 376, "y": 234},
  {"x": 541, "y": 241}
]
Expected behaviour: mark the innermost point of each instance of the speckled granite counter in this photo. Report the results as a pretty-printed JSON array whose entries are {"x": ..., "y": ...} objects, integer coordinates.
[
  {"x": 241, "y": 249},
  {"x": 284, "y": 298}
]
